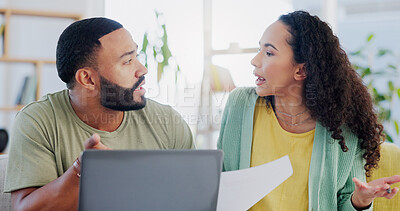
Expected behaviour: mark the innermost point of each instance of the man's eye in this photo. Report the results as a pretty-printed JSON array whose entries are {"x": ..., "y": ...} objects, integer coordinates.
[{"x": 128, "y": 62}]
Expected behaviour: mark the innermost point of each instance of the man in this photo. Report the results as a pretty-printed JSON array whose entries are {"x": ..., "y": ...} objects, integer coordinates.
[{"x": 105, "y": 101}]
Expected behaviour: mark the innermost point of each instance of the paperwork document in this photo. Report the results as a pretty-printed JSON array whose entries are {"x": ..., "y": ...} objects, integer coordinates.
[{"x": 239, "y": 190}]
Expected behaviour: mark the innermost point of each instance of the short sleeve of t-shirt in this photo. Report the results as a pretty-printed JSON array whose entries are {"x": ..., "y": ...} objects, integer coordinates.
[
  {"x": 181, "y": 132},
  {"x": 31, "y": 160}
]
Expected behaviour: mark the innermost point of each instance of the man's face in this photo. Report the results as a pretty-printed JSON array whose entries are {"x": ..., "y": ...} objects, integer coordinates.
[
  {"x": 121, "y": 75},
  {"x": 118, "y": 98}
]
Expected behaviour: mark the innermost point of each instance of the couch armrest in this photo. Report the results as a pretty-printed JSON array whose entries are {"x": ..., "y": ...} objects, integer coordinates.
[
  {"x": 5, "y": 198},
  {"x": 389, "y": 165}
]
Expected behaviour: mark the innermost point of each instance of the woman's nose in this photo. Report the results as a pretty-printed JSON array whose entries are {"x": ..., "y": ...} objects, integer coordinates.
[{"x": 255, "y": 61}]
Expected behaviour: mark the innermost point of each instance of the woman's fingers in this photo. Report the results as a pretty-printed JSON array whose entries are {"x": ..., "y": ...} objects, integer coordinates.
[
  {"x": 392, "y": 194},
  {"x": 381, "y": 190},
  {"x": 393, "y": 179},
  {"x": 359, "y": 183},
  {"x": 374, "y": 189}
]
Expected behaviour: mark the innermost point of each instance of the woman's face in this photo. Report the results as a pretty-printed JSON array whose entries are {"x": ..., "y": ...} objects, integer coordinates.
[{"x": 274, "y": 66}]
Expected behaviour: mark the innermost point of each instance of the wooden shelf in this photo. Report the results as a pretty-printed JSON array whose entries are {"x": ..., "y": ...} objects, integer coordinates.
[
  {"x": 33, "y": 61},
  {"x": 11, "y": 108},
  {"x": 41, "y": 13},
  {"x": 8, "y": 13}
]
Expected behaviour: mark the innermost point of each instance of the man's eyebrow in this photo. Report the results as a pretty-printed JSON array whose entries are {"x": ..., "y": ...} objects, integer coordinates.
[
  {"x": 127, "y": 54},
  {"x": 270, "y": 45}
]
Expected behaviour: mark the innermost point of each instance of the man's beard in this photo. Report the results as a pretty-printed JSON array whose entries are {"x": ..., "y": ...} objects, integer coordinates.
[{"x": 118, "y": 98}]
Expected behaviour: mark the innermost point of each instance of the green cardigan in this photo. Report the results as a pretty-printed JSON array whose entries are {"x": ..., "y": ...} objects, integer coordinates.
[{"x": 330, "y": 184}]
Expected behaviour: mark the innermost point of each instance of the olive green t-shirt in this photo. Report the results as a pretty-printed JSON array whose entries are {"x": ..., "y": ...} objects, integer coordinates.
[{"x": 48, "y": 136}]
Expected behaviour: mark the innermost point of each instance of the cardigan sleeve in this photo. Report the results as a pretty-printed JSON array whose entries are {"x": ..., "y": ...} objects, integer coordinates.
[
  {"x": 222, "y": 136},
  {"x": 344, "y": 195},
  {"x": 232, "y": 124},
  {"x": 225, "y": 117},
  {"x": 222, "y": 128}
]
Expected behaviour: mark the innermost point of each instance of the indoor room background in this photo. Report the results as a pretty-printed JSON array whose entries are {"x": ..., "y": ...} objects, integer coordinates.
[{"x": 210, "y": 44}]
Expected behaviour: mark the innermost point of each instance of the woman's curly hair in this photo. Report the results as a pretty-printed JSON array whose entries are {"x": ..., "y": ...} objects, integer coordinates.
[{"x": 333, "y": 91}]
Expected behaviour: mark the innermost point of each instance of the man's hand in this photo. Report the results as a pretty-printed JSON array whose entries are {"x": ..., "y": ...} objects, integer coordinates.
[
  {"x": 65, "y": 188},
  {"x": 94, "y": 143},
  {"x": 365, "y": 193}
]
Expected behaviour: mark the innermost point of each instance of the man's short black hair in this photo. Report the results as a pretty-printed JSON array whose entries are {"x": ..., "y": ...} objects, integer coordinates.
[{"x": 77, "y": 46}]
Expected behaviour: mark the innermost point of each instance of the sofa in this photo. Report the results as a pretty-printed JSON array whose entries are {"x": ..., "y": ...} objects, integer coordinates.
[
  {"x": 5, "y": 198},
  {"x": 389, "y": 165}
]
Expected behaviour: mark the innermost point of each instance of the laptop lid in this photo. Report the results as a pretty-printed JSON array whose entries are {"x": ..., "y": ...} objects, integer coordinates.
[{"x": 150, "y": 180}]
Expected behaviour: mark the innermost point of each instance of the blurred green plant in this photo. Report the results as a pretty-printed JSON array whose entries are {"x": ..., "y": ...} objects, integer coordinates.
[
  {"x": 387, "y": 75},
  {"x": 161, "y": 52}
]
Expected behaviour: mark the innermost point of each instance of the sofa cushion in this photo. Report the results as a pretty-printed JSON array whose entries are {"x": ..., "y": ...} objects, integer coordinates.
[
  {"x": 5, "y": 198},
  {"x": 389, "y": 165}
]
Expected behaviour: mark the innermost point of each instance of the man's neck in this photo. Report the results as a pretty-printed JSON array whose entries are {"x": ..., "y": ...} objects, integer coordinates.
[{"x": 88, "y": 108}]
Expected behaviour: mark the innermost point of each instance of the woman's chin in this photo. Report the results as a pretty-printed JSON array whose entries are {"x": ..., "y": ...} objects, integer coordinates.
[{"x": 262, "y": 92}]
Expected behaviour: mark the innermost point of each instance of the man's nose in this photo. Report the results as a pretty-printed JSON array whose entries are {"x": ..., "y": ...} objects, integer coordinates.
[{"x": 142, "y": 70}]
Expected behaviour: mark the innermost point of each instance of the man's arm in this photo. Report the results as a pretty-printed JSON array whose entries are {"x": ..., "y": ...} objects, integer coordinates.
[{"x": 60, "y": 194}]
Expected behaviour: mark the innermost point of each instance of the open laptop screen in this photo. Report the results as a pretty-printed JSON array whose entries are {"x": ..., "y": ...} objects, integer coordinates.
[{"x": 150, "y": 179}]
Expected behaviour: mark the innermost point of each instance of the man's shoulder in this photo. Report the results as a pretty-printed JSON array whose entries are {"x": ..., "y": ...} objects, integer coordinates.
[
  {"x": 44, "y": 106},
  {"x": 156, "y": 107},
  {"x": 155, "y": 110}
]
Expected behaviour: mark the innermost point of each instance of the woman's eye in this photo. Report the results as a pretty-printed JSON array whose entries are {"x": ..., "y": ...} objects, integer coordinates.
[{"x": 269, "y": 53}]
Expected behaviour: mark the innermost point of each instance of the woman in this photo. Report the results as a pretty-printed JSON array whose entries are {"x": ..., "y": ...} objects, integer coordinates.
[{"x": 310, "y": 104}]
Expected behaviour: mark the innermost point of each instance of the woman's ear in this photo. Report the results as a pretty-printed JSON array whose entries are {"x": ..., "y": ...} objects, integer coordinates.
[
  {"x": 86, "y": 78},
  {"x": 300, "y": 73}
]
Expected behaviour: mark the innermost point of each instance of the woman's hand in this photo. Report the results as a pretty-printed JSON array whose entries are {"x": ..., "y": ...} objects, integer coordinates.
[{"x": 365, "y": 193}]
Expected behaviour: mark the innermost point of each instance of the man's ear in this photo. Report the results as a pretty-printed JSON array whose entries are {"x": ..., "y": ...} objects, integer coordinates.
[
  {"x": 86, "y": 78},
  {"x": 300, "y": 73}
]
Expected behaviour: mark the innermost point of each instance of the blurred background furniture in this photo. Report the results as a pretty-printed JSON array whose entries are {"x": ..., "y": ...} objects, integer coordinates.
[
  {"x": 389, "y": 165},
  {"x": 3, "y": 140},
  {"x": 5, "y": 198}
]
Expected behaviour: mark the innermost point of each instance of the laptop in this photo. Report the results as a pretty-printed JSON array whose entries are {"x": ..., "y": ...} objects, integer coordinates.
[{"x": 150, "y": 180}]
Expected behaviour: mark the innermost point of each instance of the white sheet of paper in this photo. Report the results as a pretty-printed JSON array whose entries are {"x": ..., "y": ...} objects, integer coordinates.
[{"x": 240, "y": 190}]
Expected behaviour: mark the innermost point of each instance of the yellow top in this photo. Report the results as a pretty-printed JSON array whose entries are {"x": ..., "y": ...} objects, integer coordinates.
[{"x": 270, "y": 142}]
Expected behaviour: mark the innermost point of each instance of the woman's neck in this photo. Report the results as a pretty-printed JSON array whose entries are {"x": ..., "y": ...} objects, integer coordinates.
[{"x": 293, "y": 115}]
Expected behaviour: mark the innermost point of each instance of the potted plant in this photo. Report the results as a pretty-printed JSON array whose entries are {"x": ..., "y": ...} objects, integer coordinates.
[{"x": 382, "y": 81}]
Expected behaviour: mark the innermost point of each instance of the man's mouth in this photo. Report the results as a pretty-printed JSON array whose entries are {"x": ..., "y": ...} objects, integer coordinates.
[{"x": 138, "y": 85}]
